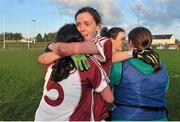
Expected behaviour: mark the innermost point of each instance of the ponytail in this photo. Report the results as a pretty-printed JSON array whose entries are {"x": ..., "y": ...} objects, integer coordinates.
[{"x": 104, "y": 32}]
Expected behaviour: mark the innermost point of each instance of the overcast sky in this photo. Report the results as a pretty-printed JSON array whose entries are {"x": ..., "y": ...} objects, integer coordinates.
[{"x": 42, "y": 16}]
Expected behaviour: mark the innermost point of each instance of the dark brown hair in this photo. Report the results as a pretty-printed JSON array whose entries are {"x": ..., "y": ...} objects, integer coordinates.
[
  {"x": 111, "y": 33},
  {"x": 94, "y": 13},
  {"x": 140, "y": 37},
  {"x": 63, "y": 67}
]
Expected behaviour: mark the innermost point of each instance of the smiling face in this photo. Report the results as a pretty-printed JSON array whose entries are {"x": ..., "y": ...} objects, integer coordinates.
[
  {"x": 87, "y": 26},
  {"x": 118, "y": 41}
]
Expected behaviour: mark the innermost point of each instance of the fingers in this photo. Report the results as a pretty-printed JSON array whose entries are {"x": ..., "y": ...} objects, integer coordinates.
[
  {"x": 156, "y": 56},
  {"x": 80, "y": 65},
  {"x": 153, "y": 57},
  {"x": 75, "y": 61},
  {"x": 81, "y": 62},
  {"x": 85, "y": 62}
]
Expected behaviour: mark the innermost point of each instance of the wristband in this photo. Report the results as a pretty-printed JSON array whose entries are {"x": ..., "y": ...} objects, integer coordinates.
[{"x": 47, "y": 48}]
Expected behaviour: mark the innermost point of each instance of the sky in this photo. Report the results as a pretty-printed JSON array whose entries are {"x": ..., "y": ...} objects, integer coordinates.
[{"x": 31, "y": 17}]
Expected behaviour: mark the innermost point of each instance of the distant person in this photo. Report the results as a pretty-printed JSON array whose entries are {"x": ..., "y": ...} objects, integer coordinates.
[
  {"x": 117, "y": 36},
  {"x": 68, "y": 93},
  {"x": 140, "y": 86}
]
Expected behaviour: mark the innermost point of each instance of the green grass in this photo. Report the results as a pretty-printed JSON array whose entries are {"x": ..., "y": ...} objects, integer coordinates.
[
  {"x": 172, "y": 60},
  {"x": 22, "y": 78}
]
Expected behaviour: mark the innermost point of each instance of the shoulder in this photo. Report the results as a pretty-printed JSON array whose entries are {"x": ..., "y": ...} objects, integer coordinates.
[{"x": 100, "y": 41}]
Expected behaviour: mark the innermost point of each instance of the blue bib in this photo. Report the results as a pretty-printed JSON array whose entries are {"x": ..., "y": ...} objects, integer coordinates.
[{"x": 137, "y": 88}]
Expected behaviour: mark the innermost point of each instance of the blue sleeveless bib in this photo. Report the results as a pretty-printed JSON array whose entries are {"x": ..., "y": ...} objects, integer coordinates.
[{"x": 137, "y": 88}]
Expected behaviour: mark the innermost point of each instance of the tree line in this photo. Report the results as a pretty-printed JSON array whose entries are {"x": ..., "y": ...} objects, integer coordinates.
[
  {"x": 18, "y": 36},
  {"x": 39, "y": 38}
]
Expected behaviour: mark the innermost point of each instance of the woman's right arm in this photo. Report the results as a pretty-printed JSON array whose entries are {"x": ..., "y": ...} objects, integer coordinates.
[
  {"x": 68, "y": 49},
  {"x": 48, "y": 58},
  {"x": 121, "y": 56}
]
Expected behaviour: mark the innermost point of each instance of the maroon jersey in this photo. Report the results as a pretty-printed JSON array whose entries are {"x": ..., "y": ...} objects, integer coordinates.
[
  {"x": 72, "y": 98},
  {"x": 104, "y": 46}
]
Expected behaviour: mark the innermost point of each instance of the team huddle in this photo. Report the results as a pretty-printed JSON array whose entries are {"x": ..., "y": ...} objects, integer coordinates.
[{"x": 91, "y": 77}]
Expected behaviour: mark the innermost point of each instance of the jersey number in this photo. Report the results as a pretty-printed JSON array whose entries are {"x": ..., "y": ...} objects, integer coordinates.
[{"x": 60, "y": 98}]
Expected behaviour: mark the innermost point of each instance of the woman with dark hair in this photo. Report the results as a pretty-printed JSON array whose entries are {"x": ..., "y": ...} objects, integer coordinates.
[
  {"x": 68, "y": 93},
  {"x": 88, "y": 22}
]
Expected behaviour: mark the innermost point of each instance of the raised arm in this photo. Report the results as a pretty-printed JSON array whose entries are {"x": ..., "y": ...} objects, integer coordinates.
[
  {"x": 121, "y": 55},
  {"x": 68, "y": 49},
  {"x": 47, "y": 58}
]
